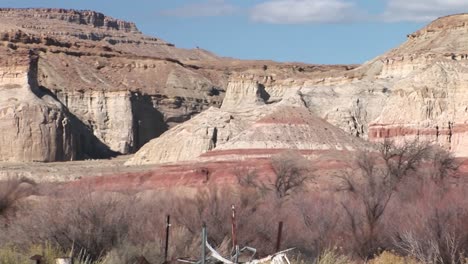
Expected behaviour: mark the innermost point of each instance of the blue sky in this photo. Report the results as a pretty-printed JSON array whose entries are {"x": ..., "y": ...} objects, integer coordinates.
[{"x": 312, "y": 31}]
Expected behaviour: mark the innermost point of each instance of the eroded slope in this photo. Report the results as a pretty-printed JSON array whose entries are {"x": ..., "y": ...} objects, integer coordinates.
[{"x": 122, "y": 87}]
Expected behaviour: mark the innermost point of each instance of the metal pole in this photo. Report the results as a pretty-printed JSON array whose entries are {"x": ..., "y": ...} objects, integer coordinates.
[
  {"x": 203, "y": 243},
  {"x": 168, "y": 225},
  {"x": 278, "y": 238},
  {"x": 233, "y": 227}
]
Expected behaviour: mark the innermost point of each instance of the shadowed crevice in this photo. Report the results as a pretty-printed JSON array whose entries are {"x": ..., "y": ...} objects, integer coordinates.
[{"x": 148, "y": 122}]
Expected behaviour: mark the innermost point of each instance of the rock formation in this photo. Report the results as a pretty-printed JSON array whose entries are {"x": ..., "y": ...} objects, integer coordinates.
[
  {"x": 427, "y": 78},
  {"x": 120, "y": 88},
  {"x": 416, "y": 90},
  {"x": 79, "y": 84},
  {"x": 247, "y": 127},
  {"x": 34, "y": 125}
]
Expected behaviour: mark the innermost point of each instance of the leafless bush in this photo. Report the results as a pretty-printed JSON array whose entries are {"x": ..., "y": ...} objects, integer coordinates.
[
  {"x": 444, "y": 250},
  {"x": 433, "y": 227},
  {"x": 408, "y": 194},
  {"x": 83, "y": 221},
  {"x": 207, "y": 206},
  {"x": 322, "y": 222},
  {"x": 402, "y": 159},
  {"x": 183, "y": 244},
  {"x": 248, "y": 178},
  {"x": 372, "y": 186},
  {"x": 443, "y": 165},
  {"x": 404, "y": 198},
  {"x": 292, "y": 172},
  {"x": 12, "y": 190}
]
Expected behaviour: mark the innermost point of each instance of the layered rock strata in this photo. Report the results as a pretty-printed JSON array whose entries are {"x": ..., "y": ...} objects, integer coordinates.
[
  {"x": 118, "y": 85},
  {"x": 247, "y": 127},
  {"x": 35, "y": 127},
  {"x": 203, "y": 133},
  {"x": 416, "y": 90},
  {"x": 109, "y": 89},
  {"x": 429, "y": 99}
]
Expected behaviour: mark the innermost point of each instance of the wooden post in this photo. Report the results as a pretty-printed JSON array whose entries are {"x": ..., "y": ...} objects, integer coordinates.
[
  {"x": 203, "y": 243},
  {"x": 233, "y": 227},
  {"x": 236, "y": 258},
  {"x": 166, "y": 249},
  {"x": 278, "y": 238}
]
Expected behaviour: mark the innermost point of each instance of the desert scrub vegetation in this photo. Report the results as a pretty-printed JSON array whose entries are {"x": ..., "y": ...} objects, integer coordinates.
[
  {"x": 11, "y": 191},
  {"x": 331, "y": 256},
  {"x": 400, "y": 204}
]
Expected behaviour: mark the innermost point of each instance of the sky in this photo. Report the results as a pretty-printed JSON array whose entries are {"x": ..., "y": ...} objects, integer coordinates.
[{"x": 311, "y": 31}]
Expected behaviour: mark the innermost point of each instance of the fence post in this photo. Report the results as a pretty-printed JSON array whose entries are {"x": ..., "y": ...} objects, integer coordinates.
[
  {"x": 233, "y": 227},
  {"x": 236, "y": 258},
  {"x": 203, "y": 243},
  {"x": 166, "y": 249},
  {"x": 278, "y": 238}
]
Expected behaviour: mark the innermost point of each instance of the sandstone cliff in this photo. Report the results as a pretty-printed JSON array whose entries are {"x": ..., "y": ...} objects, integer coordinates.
[
  {"x": 34, "y": 125},
  {"x": 79, "y": 84},
  {"x": 120, "y": 87},
  {"x": 248, "y": 126},
  {"x": 416, "y": 90},
  {"x": 428, "y": 76}
]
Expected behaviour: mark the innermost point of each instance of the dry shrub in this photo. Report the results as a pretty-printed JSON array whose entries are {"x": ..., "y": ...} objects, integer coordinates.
[
  {"x": 213, "y": 206},
  {"x": 82, "y": 221},
  {"x": 331, "y": 256},
  {"x": 377, "y": 179},
  {"x": 387, "y": 257},
  {"x": 434, "y": 227},
  {"x": 208, "y": 206},
  {"x": 12, "y": 190},
  {"x": 292, "y": 172},
  {"x": 406, "y": 199},
  {"x": 16, "y": 255},
  {"x": 182, "y": 245},
  {"x": 321, "y": 225}
]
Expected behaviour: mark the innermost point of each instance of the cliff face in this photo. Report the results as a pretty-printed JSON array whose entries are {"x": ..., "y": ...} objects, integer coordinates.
[
  {"x": 248, "y": 125},
  {"x": 87, "y": 17},
  {"x": 120, "y": 88},
  {"x": 417, "y": 90},
  {"x": 430, "y": 100},
  {"x": 34, "y": 125},
  {"x": 79, "y": 84}
]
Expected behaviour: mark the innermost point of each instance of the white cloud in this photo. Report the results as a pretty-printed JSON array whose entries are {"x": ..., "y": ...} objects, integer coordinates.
[
  {"x": 304, "y": 11},
  {"x": 207, "y": 8},
  {"x": 324, "y": 11},
  {"x": 422, "y": 10}
]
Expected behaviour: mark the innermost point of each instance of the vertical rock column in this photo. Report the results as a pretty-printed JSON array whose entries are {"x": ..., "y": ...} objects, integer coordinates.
[{"x": 34, "y": 126}]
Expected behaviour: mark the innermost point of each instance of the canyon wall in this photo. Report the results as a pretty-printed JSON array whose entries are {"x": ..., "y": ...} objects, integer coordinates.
[
  {"x": 249, "y": 125},
  {"x": 429, "y": 99},
  {"x": 35, "y": 127},
  {"x": 79, "y": 84},
  {"x": 83, "y": 96},
  {"x": 118, "y": 87},
  {"x": 415, "y": 91}
]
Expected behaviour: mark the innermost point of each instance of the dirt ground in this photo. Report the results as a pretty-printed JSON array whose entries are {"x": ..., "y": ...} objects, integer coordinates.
[{"x": 68, "y": 171}]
